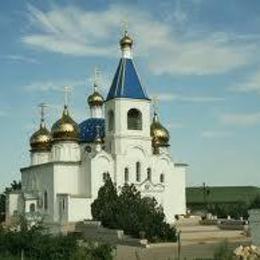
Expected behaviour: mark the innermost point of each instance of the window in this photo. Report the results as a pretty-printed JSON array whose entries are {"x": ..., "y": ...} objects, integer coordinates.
[
  {"x": 162, "y": 178},
  {"x": 134, "y": 119},
  {"x": 63, "y": 204},
  {"x": 126, "y": 175},
  {"x": 45, "y": 200},
  {"x": 111, "y": 120},
  {"x": 138, "y": 171},
  {"x": 149, "y": 174},
  {"x": 32, "y": 207}
]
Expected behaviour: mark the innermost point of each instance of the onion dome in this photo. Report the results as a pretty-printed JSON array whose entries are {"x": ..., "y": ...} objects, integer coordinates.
[
  {"x": 65, "y": 129},
  {"x": 40, "y": 141},
  {"x": 160, "y": 135},
  {"x": 96, "y": 98},
  {"x": 88, "y": 129},
  {"x": 126, "y": 41}
]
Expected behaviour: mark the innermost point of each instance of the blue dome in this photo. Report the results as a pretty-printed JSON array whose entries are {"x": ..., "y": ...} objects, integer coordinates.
[{"x": 88, "y": 129}]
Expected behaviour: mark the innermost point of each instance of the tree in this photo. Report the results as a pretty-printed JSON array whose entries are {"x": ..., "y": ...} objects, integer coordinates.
[
  {"x": 105, "y": 206},
  {"x": 132, "y": 213},
  {"x": 255, "y": 203},
  {"x": 13, "y": 187}
]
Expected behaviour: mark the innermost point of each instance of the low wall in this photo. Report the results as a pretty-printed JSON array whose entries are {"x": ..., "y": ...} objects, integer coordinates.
[
  {"x": 94, "y": 231},
  {"x": 254, "y": 225}
]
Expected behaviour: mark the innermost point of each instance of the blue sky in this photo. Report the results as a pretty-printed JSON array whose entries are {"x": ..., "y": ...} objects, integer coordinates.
[{"x": 200, "y": 57}]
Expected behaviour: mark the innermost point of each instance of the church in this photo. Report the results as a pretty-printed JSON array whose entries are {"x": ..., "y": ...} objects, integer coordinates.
[{"x": 122, "y": 139}]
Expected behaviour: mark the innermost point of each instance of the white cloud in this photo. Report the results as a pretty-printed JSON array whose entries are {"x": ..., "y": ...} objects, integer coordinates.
[
  {"x": 19, "y": 58},
  {"x": 196, "y": 99},
  {"x": 215, "y": 134},
  {"x": 241, "y": 119},
  {"x": 174, "y": 126},
  {"x": 45, "y": 86},
  {"x": 250, "y": 84},
  {"x": 76, "y": 32}
]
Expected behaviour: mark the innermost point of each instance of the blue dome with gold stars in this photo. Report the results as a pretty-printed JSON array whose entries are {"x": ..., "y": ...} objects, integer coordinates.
[{"x": 88, "y": 129}]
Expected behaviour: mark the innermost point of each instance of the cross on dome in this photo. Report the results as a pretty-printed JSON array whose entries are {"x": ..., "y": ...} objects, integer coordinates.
[
  {"x": 42, "y": 107},
  {"x": 96, "y": 80},
  {"x": 67, "y": 90}
]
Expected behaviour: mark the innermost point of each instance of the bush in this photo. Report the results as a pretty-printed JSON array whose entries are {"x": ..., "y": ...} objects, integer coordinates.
[
  {"x": 223, "y": 252},
  {"x": 36, "y": 245},
  {"x": 130, "y": 212},
  {"x": 255, "y": 203}
]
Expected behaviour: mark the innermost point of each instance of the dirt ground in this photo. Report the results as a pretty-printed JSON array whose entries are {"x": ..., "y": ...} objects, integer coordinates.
[{"x": 196, "y": 242}]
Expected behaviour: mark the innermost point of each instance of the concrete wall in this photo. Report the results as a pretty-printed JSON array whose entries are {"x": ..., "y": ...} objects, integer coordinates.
[
  {"x": 79, "y": 209},
  {"x": 254, "y": 226}
]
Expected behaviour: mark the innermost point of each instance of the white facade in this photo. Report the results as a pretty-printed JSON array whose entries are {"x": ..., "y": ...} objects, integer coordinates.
[{"x": 63, "y": 182}]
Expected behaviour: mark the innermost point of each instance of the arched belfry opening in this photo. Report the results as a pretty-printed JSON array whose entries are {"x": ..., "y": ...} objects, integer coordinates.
[
  {"x": 134, "y": 119},
  {"x": 111, "y": 120}
]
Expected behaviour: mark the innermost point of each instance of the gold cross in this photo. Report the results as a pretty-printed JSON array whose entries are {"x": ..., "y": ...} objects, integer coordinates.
[
  {"x": 43, "y": 107},
  {"x": 67, "y": 90},
  {"x": 155, "y": 101},
  {"x": 96, "y": 75},
  {"x": 125, "y": 25}
]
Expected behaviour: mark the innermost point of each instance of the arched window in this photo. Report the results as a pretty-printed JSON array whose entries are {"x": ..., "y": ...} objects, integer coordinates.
[
  {"x": 162, "y": 178},
  {"x": 149, "y": 174},
  {"x": 45, "y": 200},
  {"x": 126, "y": 175},
  {"x": 134, "y": 119},
  {"x": 32, "y": 207},
  {"x": 138, "y": 171},
  {"x": 111, "y": 120},
  {"x": 63, "y": 204}
]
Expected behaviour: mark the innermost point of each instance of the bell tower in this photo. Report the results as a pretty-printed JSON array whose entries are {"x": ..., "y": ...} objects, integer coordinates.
[{"x": 127, "y": 106}]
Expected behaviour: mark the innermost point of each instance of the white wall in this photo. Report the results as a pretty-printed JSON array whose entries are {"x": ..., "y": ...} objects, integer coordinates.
[
  {"x": 40, "y": 157},
  {"x": 254, "y": 226},
  {"x": 79, "y": 209},
  {"x": 121, "y": 137},
  {"x": 36, "y": 180},
  {"x": 65, "y": 151}
]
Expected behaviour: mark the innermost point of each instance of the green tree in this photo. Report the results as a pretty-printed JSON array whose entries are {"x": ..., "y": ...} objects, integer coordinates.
[
  {"x": 255, "y": 203},
  {"x": 105, "y": 206},
  {"x": 132, "y": 213}
]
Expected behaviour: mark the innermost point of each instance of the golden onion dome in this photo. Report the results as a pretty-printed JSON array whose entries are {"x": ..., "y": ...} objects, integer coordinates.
[
  {"x": 40, "y": 141},
  {"x": 95, "y": 99},
  {"x": 160, "y": 135},
  {"x": 126, "y": 41},
  {"x": 65, "y": 129}
]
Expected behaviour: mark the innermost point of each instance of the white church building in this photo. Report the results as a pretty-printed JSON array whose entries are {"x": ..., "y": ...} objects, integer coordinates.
[{"x": 122, "y": 138}]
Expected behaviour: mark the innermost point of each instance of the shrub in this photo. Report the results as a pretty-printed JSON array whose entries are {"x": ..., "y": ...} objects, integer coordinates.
[
  {"x": 130, "y": 212},
  {"x": 223, "y": 252},
  {"x": 255, "y": 203},
  {"x": 37, "y": 245}
]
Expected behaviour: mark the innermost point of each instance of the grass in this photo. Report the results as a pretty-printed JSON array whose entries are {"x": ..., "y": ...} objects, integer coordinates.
[{"x": 222, "y": 194}]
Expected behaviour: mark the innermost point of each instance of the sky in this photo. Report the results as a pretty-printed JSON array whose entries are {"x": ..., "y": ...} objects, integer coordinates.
[{"x": 200, "y": 58}]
